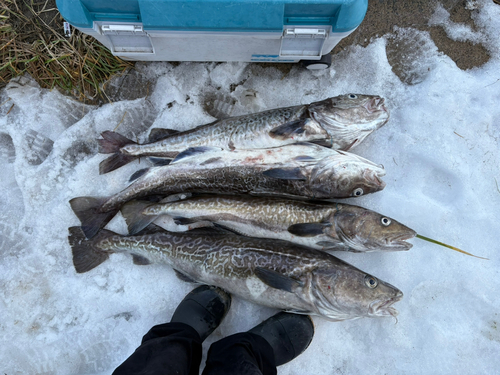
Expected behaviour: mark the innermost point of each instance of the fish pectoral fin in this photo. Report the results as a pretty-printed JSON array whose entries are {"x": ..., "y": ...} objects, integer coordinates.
[
  {"x": 193, "y": 151},
  {"x": 185, "y": 220},
  {"x": 285, "y": 174},
  {"x": 140, "y": 260},
  {"x": 329, "y": 245},
  {"x": 288, "y": 129},
  {"x": 184, "y": 277},
  {"x": 277, "y": 280},
  {"x": 158, "y": 134},
  {"x": 307, "y": 229}
]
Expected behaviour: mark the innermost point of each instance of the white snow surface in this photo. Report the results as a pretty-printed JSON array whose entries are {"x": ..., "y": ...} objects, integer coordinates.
[{"x": 441, "y": 152}]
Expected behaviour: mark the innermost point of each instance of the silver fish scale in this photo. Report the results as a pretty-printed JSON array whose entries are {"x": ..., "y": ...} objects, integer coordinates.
[{"x": 232, "y": 132}]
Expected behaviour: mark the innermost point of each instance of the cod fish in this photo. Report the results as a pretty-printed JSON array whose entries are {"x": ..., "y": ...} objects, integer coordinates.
[
  {"x": 340, "y": 122},
  {"x": 272, "y": 273},
  {"x": 320, "y": 225},
  {"x": 299, "y": 171}
]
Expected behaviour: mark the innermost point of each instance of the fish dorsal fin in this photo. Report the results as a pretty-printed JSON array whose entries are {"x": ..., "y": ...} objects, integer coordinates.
[
  {"x": 285, "y": 174},
  {"x": 307, "y": 229},
  {"x": 277, "y": 280},
  {"x": 288, "y": 129},
  {"x": 158, "y": 134},
  {"x": 194, "y": 151},
  {"x": 138, "y": 174}
]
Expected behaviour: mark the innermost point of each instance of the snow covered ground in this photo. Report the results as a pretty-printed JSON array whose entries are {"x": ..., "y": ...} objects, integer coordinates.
[{"x": 442, "y": 156}]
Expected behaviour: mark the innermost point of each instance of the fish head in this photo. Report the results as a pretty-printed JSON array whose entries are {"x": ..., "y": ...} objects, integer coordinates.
[
  {"x": 349, "y": 293},
  {"x": 344, "y": 175},
  {"x": 364, "y": 230},
  {"x": 350, "y": 117}
]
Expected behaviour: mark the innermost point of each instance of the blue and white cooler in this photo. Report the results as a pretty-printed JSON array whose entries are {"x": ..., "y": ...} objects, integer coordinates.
[{"x": 216, "y": 30}]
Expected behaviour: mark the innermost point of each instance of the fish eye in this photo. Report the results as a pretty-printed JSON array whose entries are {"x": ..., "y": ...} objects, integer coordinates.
[
  {"x": 357, "y": 192},
  {"x": 371, "y": 282},
  {"x": 353, "y": 96},
  {"x": 385, "y": 221}
]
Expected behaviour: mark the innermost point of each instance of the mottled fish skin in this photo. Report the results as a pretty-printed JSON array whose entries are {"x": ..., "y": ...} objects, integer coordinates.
[
  {"x": 272, "y": 273},
  {"x": 243, "y": 132},
  {"x": 323, "y": 226},
  {"x": 326, "y": 174},
  {"x": 301, "y": 171},
  {"x": 341, "y": 122}
]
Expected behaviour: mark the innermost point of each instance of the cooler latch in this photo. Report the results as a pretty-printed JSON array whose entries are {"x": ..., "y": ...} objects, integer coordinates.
[
  {"x": 305, "y": 33},
  {"x": 127, "y": 38},
  {"x": 303, "y": 41}
]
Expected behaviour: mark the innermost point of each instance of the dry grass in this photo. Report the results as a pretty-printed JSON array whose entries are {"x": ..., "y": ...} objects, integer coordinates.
[{"x": 32, "y": 42}]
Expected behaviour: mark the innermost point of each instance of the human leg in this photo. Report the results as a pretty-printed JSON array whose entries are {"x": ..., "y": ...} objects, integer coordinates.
[
  {"x": 175, "y": 347},
  {"x": 272, "y": 343}
]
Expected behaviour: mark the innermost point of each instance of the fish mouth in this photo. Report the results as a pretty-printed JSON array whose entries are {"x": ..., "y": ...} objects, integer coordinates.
[
  {"x": 375, "y": 105},
  {"x": 378, "y": 182},
  {"x": 373, "y": 178},
  {"x": 399, "y": 242},
  {"x": 384, "y": 308}
]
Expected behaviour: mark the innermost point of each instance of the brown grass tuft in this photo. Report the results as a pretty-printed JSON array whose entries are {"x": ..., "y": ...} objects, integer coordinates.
[{"x": 32, "y": 42}]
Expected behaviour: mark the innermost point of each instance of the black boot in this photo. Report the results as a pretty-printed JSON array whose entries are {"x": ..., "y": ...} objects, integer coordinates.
[
  {"x": 288, "y": 334},
  {"x": 203, "y": 309}
]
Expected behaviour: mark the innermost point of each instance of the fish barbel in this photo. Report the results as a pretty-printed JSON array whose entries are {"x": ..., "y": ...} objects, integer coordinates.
[
  {"x": 321, "y": 225},
  {"x": 272, "y": 273},
  {"x": 340, "y": 122},
  {"x": 299, "y": 171}
]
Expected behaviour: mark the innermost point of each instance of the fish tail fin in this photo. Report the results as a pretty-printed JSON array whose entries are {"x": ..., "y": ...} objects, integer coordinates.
[
  {"x": 115, "y": 161},
  {"x": 86, "y": 255},
  {"x": 87, "y": 209},
  {"x": 134, "y": 217},
  {"x": 111, "y": 142}
]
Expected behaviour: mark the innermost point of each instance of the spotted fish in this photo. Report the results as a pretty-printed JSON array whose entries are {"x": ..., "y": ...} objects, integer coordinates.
[
  {"x": 272, "y": 273},
  {"x": 339, "y": 122},
  {"x": 298, "y": 171},
  {"x": 320, "y": 225}
]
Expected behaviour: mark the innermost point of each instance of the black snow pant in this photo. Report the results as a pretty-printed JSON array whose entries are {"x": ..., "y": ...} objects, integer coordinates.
[{"x": 175, "y": 348}]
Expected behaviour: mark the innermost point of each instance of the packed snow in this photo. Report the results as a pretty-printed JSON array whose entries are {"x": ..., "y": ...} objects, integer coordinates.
[{"x": 441, "y": 152}]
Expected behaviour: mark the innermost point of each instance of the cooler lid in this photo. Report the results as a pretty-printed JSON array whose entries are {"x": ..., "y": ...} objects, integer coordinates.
[{"x": 217, "y": 15}]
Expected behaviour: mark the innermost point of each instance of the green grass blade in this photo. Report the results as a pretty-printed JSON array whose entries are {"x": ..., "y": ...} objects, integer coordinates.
[{"x": 448, "y": 246}]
